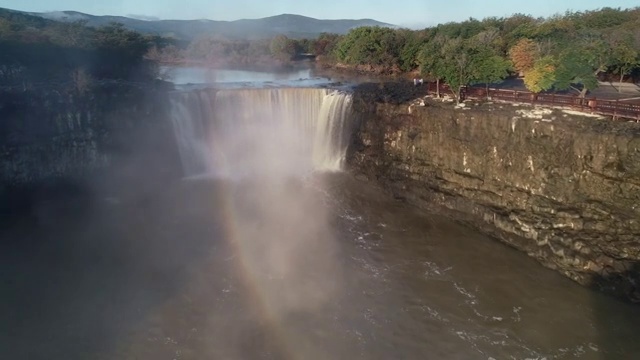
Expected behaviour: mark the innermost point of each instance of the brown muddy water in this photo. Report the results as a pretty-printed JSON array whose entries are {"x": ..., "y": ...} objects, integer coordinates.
[{"x": 323, "y": 267}]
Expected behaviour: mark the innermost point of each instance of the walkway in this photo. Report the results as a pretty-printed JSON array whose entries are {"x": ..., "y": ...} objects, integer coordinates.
[{"x": 605, "y": 100}]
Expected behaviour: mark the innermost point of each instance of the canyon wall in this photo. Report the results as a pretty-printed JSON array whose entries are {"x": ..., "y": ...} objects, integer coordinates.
[
  {"x": 562, "y": 187},
  {"x": 114, "y": 133}
]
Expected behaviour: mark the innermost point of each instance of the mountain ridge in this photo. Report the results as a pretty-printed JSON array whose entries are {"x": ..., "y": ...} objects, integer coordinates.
[{"x": 291, "y": 25}]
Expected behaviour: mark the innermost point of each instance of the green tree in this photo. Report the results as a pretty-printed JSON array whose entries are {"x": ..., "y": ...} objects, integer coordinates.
[
  {"x": 625, "y": 55},
  {"x": 431, "y": 61},
  {"x": 370, "y": 45},
  {"x": 456, "y": 65},
  {"x": 574, "y": 67},
  {"x": 488, "y": 67},
  {"x": 577, "y": 69},
  {"x": 121, "y": 53},
  {"x": 518, "y": 26},
  {"x": 413, "y": 42}
]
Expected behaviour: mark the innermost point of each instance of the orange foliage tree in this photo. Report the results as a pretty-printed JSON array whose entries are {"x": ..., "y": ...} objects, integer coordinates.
[{"x": 523, "y": 55}]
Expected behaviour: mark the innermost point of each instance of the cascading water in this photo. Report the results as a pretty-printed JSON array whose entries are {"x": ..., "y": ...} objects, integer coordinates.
[{"x": 267, "y": 131}]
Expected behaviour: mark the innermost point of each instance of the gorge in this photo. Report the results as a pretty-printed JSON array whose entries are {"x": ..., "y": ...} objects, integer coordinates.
[{"x": 221, "y": 223}]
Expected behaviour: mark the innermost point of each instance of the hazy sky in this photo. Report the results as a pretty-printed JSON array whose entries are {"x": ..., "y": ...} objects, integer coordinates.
[{"x": 399, "y": 12}]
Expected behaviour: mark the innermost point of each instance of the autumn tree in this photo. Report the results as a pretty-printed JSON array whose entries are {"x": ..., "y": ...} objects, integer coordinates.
[
  {"x": 523, "y": 55},
  {"x": 542, "y": 76}
]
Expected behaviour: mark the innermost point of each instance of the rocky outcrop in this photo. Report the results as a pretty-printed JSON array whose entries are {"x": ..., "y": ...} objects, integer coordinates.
[
  {"x": 113, "y": 132},
  {"x": 563, "y": 188}
]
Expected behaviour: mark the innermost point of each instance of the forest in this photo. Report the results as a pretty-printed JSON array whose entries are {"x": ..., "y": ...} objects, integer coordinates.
[
  {"x": 569, "y": 51},
  {"x": 35, "y": 51}
]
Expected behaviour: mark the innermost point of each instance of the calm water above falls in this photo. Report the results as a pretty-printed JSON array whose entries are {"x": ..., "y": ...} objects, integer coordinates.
[
  {"x": 282, "y": 263},
  {"x": 198, "y": 77}
]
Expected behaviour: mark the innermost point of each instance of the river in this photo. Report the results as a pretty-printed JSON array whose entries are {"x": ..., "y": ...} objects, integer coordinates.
[{"x": 288, "y": 260}]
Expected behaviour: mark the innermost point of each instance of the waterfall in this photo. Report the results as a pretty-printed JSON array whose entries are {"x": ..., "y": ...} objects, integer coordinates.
[{"x": 269, "y": 131}]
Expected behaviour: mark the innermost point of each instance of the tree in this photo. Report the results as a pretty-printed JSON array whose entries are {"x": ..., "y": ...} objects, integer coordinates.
[
  {"x": 488, "y": 68},
  {"x": 455, "y": 66},
  {"x": 516, "y": 27},
  {"x": 523, "y": 55},
  {"x": 325, "y": 44},
  {"x": 542, "y": 76},
  {"x": 593, "y": 49},
  {"x": 282, "y": 48},
  {"x": 121, "y": 52},
  {"x": 575, "y": 67},
  {"x": 71, "y": 33},
  {"x": 413, "y": 41},
  {"x": 625, "y": 55},
  {"x": 489, "y": 39},
  {"x": 371, "y": 45},
  {"x": 431, "y": 61}
]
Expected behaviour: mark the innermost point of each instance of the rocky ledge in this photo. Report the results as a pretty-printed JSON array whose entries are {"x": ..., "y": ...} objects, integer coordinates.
[{"x": 562, "y": 187}]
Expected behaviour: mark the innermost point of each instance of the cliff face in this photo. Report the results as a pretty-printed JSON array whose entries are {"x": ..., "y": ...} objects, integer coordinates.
[
  {"x": 563, "y": 188},
  {"x": 113, "y": 131}
]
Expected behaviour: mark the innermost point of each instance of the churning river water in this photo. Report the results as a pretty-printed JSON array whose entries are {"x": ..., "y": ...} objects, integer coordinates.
[{"x": 267, "y": 250}]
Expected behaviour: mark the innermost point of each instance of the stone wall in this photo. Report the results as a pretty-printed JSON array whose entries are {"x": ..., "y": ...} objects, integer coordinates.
[{"x": 561, "y": 187}]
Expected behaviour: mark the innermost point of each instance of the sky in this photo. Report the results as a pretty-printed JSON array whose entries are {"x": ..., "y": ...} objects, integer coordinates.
[{"x": 407, "y": 13}]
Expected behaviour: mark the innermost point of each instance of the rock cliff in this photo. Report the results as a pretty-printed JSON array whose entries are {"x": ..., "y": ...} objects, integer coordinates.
[
  {"x": 117, "y": 133},
  {"x": 562, "y": 187}
]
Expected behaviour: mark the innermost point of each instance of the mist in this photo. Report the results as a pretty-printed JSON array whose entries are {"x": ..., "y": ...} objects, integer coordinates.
[{"x": 267, "y": 147}]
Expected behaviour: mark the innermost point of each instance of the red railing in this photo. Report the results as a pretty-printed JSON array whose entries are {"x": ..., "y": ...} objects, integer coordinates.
[{"x": 615, "y": 108}]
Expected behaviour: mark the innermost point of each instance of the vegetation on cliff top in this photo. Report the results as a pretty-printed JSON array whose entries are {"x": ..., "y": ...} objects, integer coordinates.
[{"x": 561, "y": 52}]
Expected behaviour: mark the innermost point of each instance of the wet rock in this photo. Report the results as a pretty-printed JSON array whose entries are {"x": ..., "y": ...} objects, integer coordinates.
[{"x": 116, "y": 130}]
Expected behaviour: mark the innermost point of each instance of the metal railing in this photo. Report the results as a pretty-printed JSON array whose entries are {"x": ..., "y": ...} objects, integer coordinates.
[{"x": 615, "y": 108}]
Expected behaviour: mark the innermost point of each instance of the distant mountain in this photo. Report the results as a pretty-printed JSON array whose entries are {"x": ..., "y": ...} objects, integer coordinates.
[{"x": 294, "y": 26}]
